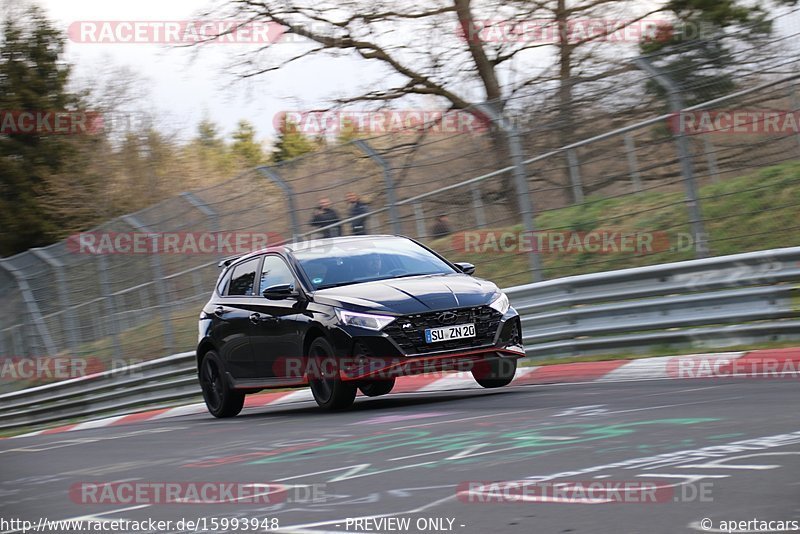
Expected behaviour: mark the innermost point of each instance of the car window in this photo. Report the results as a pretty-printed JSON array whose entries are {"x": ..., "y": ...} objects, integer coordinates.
[
  {"x": 362, "y": 261},
  {"x": 243, "y": 278},
  {"x": 274, "y": 272},
  {"x": 223, "y": 283}
]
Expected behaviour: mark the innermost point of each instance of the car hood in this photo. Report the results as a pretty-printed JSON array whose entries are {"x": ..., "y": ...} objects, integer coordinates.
[{"x": 416, "y": 294}]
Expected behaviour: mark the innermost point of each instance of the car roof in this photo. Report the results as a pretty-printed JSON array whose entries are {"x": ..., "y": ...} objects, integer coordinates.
[
  {"x": 307, "y": 245},
  {"x": 327, "y": 242}
]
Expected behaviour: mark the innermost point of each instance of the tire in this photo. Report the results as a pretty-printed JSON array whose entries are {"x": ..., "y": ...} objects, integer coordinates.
[
  {"x": 329, "y": 390},
  {"x": 494, "y": 373},
  {"x": 221, "y": 400},
  {"x": 376, "y": 388}
]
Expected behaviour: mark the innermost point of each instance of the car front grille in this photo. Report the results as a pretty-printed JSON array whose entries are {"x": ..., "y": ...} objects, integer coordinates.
[{"x": 409, "y": 331}]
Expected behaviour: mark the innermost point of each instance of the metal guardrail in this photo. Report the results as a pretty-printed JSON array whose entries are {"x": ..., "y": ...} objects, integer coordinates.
[{"x": 711, "y": 303}]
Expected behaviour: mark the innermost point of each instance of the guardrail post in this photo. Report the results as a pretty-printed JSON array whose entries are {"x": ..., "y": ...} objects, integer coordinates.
[
  {"x": 524, "y": 201},
  {"x": 419, "y": 218},
  {"x": 575, "y": 176},
  {"x": 33, "y": 307},
  {"x": 693, "y": 205},
  {"x": 633, "y": 162},
  {"x": 271, "y": 174},
  {"x": 68, "y": 321},
  {"x": 477, "y": 205},
  {"x": 158, "y": 279},
  {"x": 388, "y": 180}
]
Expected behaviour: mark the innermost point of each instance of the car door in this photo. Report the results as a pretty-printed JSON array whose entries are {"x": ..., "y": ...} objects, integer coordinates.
[
  {"x": 233, "y": 322},
  {"x": 275, "y": 334}
]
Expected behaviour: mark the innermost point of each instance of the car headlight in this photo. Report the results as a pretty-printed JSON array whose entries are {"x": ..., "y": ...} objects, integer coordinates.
[
  {"x": 501, "y": 303},
  {"x": 363, "y": 320}
]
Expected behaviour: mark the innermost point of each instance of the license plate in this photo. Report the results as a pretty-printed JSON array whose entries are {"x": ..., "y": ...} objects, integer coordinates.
[{"x": 446, "y": 333}]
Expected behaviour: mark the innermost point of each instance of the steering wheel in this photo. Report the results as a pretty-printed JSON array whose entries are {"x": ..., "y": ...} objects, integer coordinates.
[{"x": 397, "y": 272}]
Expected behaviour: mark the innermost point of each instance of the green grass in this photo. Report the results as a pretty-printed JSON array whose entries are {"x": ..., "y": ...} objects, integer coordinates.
[{"x": 757, "y": 211}]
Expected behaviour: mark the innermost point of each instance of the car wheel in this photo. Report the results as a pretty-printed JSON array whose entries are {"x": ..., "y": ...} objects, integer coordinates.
[
  {"x": 221, "y": 400},
  {"x": 329, "y": 390},
  {"x": 494, "y": 373},
  {"x": 376, "y": 388}
]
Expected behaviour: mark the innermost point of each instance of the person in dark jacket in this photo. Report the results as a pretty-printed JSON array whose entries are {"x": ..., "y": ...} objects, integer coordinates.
[
  {"x": 441, "y": 227},
  {"x": 358, "y": 208},
  {"x": 325, "y": 215}
]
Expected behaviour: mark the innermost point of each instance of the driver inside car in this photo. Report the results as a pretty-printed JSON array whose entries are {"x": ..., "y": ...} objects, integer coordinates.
[{"x": 373, "y": 266}]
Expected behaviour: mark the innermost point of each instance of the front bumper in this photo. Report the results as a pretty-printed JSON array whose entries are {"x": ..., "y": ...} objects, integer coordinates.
[
  {"x": 383, "y": 369},
  {"x": 378, "y": 356}
]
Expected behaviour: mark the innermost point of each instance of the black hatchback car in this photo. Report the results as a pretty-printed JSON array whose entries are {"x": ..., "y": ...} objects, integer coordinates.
[{"x": 347, "y": 314}]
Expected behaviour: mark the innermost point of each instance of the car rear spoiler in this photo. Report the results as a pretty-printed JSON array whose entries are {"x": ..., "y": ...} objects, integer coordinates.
[{"x": 227, "y": 261}]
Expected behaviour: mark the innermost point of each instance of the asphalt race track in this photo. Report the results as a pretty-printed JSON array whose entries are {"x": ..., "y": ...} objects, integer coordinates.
[{"x": 428, "y": 459}]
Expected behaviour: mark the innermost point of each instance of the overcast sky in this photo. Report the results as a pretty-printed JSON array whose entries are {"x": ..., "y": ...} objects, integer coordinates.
[{"x": 184, "y": 87}]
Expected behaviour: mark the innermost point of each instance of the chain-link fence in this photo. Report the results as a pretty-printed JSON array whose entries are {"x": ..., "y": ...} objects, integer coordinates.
[{"x": 524, "y": 189}]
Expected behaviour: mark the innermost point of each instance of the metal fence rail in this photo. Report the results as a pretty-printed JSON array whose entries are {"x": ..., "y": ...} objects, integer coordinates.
[
  {"x": 522, "y": 173},
  {"x": 727, "y": 300}
]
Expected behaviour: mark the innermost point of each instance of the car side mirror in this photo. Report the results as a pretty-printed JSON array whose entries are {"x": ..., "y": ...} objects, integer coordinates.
[
  {"x": 466, "y": 268},
  {"x": 280, "y": 292}
]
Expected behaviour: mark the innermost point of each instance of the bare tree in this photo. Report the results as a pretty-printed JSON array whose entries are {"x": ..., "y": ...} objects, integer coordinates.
[{"x": 459, "y": 50}]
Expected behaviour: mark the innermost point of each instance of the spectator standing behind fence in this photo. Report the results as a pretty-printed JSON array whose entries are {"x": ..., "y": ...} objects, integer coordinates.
[
  {"x": 324, "y": 215},
  {"x": 441, "y": 227},
  {"x": 358, "y": 209}
]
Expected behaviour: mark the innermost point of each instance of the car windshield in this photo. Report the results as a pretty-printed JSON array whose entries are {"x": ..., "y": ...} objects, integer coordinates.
[{"x": 362, "y": 260}]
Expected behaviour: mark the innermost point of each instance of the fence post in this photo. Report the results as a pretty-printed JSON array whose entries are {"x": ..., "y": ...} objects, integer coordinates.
[
  {"x": 272, "y": 175},
  {"x": 204, "y": 208},
  {"x": 477, "y": 205},
  {"x": 575, "y": 176},
  {"x": 111, "y": 305},
  {"x": 633, "y": 163},
  {"x": 33, "y": 308},
  {"x": 693, "y": 205},
  {"x": 711, "y": 158},
  {"x": 63, "y": 295},
  {"x": 524, "y": 201},
  {"x": 388, "y": 180},
  {"x": 419, "y": 218},
  {"x": 160, "y": 285}
]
